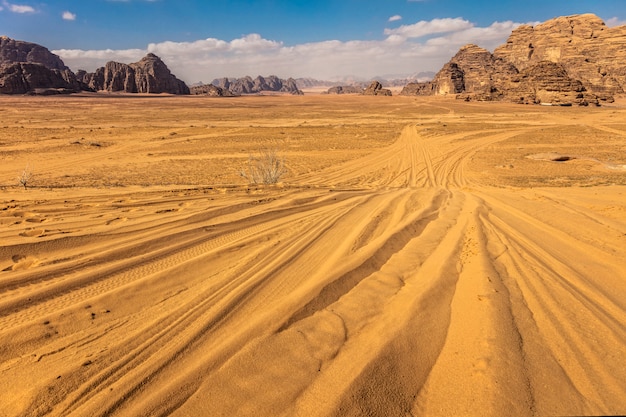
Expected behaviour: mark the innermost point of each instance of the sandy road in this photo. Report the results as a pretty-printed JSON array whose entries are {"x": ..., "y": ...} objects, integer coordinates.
[{"x": 392, "y": 284}]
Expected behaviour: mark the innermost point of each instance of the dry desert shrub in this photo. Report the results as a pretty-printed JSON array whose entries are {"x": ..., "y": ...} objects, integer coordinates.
[
  {"x": 267, "y": 167},
  {"x": 25, "y": 177}
]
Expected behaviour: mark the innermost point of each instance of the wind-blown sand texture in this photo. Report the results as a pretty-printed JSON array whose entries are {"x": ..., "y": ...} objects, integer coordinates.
[{"x": 416, "y": 259}]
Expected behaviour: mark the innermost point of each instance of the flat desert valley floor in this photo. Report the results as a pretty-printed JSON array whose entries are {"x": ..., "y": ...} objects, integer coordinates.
[{"x": 420, "y": 256}]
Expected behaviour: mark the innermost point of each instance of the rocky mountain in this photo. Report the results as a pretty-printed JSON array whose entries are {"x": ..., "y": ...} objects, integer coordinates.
[
  {"x": 28, "y": 68},
  {"x": 247, "y": 85},
  {"x": 149, "y": 75},
  {"x": 566, "y": 60}
]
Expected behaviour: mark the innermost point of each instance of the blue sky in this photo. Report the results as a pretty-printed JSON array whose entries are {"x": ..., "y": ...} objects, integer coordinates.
[{"x": 202, "y": 40}]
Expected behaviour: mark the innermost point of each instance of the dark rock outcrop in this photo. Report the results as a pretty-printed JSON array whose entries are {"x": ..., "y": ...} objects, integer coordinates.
[
  {"x": 149, "y": 75},
  {"x": 566, "y": 60},
  {"x": 376, "y": 89},
  {"x": 345, "y": 89},
  {"x": 210, "y": 90},
  {"x": 94, "y": 80},
  {"x": 418, "y": 89},
  {"x": 247, "y": 85}
]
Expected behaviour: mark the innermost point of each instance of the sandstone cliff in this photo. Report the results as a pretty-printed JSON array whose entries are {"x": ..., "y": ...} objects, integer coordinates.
[
  {"x": 472, "y": 71},
  {"x": 548, "y": 83},
  {"x": 567, "y": 60},
  {"x": 588, "y": 50}
]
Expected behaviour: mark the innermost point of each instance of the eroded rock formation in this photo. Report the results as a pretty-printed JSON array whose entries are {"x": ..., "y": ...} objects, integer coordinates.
[
  {"x": 473, "y": 71},
  {"x": 586, "y": 48},
  {"x": 149, "y": 75},
  {"x": 376, "y": 89},
  {"x": 567, "y": 60},
  {"x": 14, "y": 51},
  {"x": 548, "y": 83}
]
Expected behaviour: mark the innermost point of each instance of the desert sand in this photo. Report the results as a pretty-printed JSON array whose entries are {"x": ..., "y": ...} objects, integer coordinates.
[{"x": 421, "y": 256}]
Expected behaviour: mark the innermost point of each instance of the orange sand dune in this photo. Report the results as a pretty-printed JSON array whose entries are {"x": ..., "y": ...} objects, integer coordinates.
[{"x": 413, "y": 261}]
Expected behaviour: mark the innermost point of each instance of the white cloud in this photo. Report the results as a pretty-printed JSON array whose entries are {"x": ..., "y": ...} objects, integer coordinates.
[
  {"x": 615, "y": 21},
  {"x": 423, "y": 46},
  {"x": 395, "y": 18},
  {"x": 67, "y": 15},
  {"x": 425, "y": 28},
  {"x": 18, "y": 8},
  {"x": 486, "y": 37}
]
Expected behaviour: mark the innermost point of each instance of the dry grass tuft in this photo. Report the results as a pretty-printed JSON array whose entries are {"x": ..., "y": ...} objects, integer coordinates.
[{"x": 267, "y": 167}]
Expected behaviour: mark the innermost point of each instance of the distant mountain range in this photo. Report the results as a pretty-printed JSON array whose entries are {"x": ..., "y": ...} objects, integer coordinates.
[
  {"x": 247, "y": 85},
  {"x": 388, "y": 81}
]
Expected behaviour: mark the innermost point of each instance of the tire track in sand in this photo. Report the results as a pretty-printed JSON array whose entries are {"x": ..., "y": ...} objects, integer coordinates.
[{"x": 391, "y": 297}]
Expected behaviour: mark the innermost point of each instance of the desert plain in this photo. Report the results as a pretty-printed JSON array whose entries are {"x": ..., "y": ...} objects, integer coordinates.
[{"x": 420, "y": 256}]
